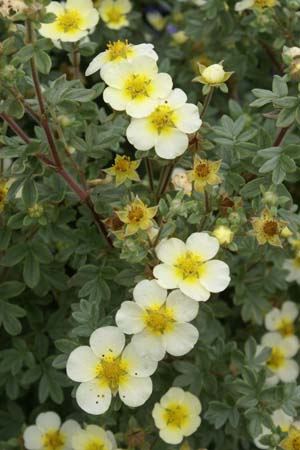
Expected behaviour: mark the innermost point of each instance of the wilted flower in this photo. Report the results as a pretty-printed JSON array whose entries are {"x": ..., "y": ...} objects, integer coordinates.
[
  {"x": 204, "y": 173},
  {"x": 268, "y": 228},
  {"x": 120, "y": 51},
  {"x": 282, "y": 320},
  {"x": 158, "y": 321},
  {"x": 186, "y": 266},
  {"x": 167, "y": 127},
  {"x": 93, "y": 437},
  {"x": 223, "y": 234},
  {"x": 291, "y": 52},
  {"x": 74, "y": 19},
  {"x": 114, "y": 13},
  {"x": 106, "y": 368},
  {"x": 177, "y": 415},
  {"x": 137, "y": 216},
  {"x": 213, "y": 75},
  {"x": 124, "y": 169},
  {"x": 136, "y": 86},
  {"x": 49, "y": 433},
  {"x": 180, "y": 181},
  {"x": 281, "y": 365},
  {"x": 8, "y": 7}
]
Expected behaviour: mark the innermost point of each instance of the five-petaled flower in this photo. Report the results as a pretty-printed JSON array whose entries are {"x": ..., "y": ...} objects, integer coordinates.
[
  {"x": 120, "y": 51},
  {"x": 106, "y": 368},
  {"x": 49, "y": 434},
  {"x": 124, "y": 169},
  {"x": 186, "y": 266},
  {"x": 167, "y": 127},
  {"x": 268, "y": 228},
  {"x": 255, "y": 4},
  {"x": 204, "y": 173},
  {"x": 93, "y": 437},
  {"x": 135, "y": 86},
  {"x": 137, "y": 216},
  {"x": 159, "y": 322},
  {"x": 177, "y": 415},
  {"x": 74, "y": 19},
  {"x": 280, "y": 363},
  {"x": 114, "y": 13},
  {"x": 282, "y": 320}
]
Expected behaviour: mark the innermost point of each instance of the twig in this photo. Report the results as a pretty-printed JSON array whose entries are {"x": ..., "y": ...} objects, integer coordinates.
[
  {"x": 149, "y": 173},
  {"x": 280, "y": 136}
]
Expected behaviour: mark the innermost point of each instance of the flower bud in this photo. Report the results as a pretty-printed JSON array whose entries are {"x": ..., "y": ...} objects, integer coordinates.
[
  {"x": 270, "y": 198},
  {"x": 223, "y": 234},
  {"x": 214, "y": 74},
  {"x": 286, "y": 232},
  {"x": 180, "y": 180},
  {"x": 35, "y": 211}
]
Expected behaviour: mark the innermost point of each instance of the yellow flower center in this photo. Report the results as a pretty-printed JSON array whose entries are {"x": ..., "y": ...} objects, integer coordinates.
[
  {"x": 276, "y": 360},
  {"x": 159, "y": 319},
  {"x": 95, "y": 444},
  {"x": 202, "y": 170},
  {"x": 270, "y": 228},
  {"x": 189, "y": 266},
  {"x": 111, "y": 372},
  {"x": 136, "y": 214},
  {"x": 138, "y": 86},
  {"x": 53, "y": 440},
  {"x": 175, "y": 416},
  {"x": 119, "y": 50},
  {"x": 264, "y": 3},
  {"x": 3, "y": 194},
  {"x": 297, "y": 261},
  {"x": 162, "y": 118},
  {"x": 286, "y": 327},
  {"x": 69, "y": 22},
  {"x": 122, "y": 164},
  {"x": 114, "y": 15}
]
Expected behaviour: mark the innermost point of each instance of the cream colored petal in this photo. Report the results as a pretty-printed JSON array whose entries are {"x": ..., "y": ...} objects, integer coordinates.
[
  {"x": 169, "y": 250},
  {"x": 115, "y": 98},
  {"x": 138, "y": 366},
  {"x": 171, "y": 144},
  {"x": 81, "y": 364},
  {"x": 203, "y": 244},
  {"x": 184, "y": 309},
  {"x": 48, "y": 420},
  {"x": 290, "y": 310},
  {"x": 135, "y": 391},
  {"x": 148, "y": 293},
  {"x": 96, "y": 64},
  {"x": 129, "y": 318},
  {"x": 138, "y": 109},
  {"x": 107, "y": 340},
  {"x": 176, "y": 99},
  {"x": 166, "y": 276},
  {"x": 188, "y": 118},
  {"x": 181, "y": 339},
  {"x": 33, "y": 438},
  {"x": 171, "y": 435},
  {"x": 149, "y": 344},
  {"x": 161, "y": 85},
  {"x": 193, "y": 289},
  {"x": 215, "y": 277},
  {"x": 93, "y": 398},
  {"x": 289, "y": 372},
  {"x": 140, "y": 135}
]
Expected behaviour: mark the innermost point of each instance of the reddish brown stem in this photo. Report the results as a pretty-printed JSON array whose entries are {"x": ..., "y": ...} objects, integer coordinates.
[{"x": 280, "y": 136}]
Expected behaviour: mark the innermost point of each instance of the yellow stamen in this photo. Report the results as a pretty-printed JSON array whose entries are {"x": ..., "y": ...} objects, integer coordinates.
[
  {"x": 119, "y": 50},
  {"x": 286, "y": 327},
  {"x": 69, "y": 22},
  {"x": 95, "y": 444},
  {"x": 111, "y": 371},
  {"x": 53, "y": 440},
  {"x": 138, "y": 86},
  {"x": 276, "y": 360},
  {"x": 175, "y": 416},
  {"x": 114, "y": 15},
  {"x": 159, "y": 319},
  {"x": 189, "y": 266},
  {"x": 162, "y": 118}
]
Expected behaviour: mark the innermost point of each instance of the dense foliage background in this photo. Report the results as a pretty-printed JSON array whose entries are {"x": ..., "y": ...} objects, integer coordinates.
[{"x": 61, "y": 279}]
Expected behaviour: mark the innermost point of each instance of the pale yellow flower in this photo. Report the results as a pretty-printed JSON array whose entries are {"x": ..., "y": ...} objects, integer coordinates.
[
  {"x": 124, "y": 169},
  {"x": 204, "y": 173},
  {"x": 260, "y": 5},
  {"x": 213, "y": 75},
  {"x": 268, "y": 228},
  {"x": 223, "y": 234},
  {"x": 114, "y": 13},
  {"x": 137, "y": 216}
]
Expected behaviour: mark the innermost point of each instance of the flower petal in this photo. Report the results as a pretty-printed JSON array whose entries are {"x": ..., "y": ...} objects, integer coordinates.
[
  {"x": 166, "y": 276},
  {"x": 203, "y": 244},
  {"x": 138, "y": 366},
  {"x": 169, "y": 250},
  {"x": 272, "y": 319},
  {"x": 289, "y": 372},
  {"x": 181, "y": 339},
  {"x": 194, "y": 290},
  {"x": 158, "y": 416},
  {"x": 188, "y": 118},
  {"x": 171, "y": 144},
  {"x": 55, "y": 8},
  {"x": 215, "y": 277},
  {"x": 171, "y": 435},
  {"x": 93, "y": 398},
  {"x": 149, "y": 344},
  {"x": 96, "y": 64},
  {"x": 140, "y": 135},
  {"x": 115, "y": 98},
  {"x": 161, "y": 85},
  {"x": 47, "y": 420},
  {"x": 146, "y": 50},
  {"x": 148, "y": 292},
  {"x": 107, "y": 340},
  {"x": 272, "y": 339},
  {"x": 129, "y": 318},
  {"x": 115, "y": 75},
  {"x": 124, "y": 6},
  {"x": 140, "y": 108},
  {"x": 176, "y": 98},
  {"x": 33, "y": 438},
  {"x": 191, "y": 425},
  {"x": 70, "y": 428},
  {"x": 81, "y": 364},
  {"x": 173, "y": 395},
  {"x": 135, "y": 391},
  {"x": 290, "y": 310},
  {"x": 192, "y": 403},
  {"x": 184, "y": 309},
  {"x": 290, "y": 346}
]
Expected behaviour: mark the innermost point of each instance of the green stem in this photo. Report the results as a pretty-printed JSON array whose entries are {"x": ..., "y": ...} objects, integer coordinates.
[
  {"x": 76, "y": 60},
  {"x": 165, "y": 180},
  {"x": 149, "y": 173},
  {"x": 207, "y": 101}
]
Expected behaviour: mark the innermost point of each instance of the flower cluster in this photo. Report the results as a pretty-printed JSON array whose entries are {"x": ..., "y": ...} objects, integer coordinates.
[
  {"x": 160, "y": 115},
  {"x": 159, "y": 323}
]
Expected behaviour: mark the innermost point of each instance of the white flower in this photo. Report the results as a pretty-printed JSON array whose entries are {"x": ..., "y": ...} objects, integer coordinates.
[
  {"x": 114, "y": 13},
  {"x": 281, "y": 365},
  {"x": 177, "y": 415},
  {"x": 292, "y": 266},
  {"x": 135, "y": 86},
  {"x": 49, "y": 433},
  {"x": 186, "y": 266},
  {"x": 106, "y": 368},
  {"x": 291, "y": 52},
  {"x": 244, "y": 4},
  {"x": 93, "y": 438},
  {"x": 73, "y": 20},
  {"x": 280, "y": 419},
  {"x": 167, "y": 127},
  {"x": 120, "y": 51},
  {"x": 282, "y": 320},
  {"x": 159, "y": 321},
  {"x": 180, "y": 180}
]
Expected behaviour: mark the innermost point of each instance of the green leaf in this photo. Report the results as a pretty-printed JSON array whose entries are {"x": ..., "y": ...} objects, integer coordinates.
[
  {"x": 11, "y": 289},
  {"x": 43, "y": 61},
  {"x": 9, "y": 317},
  {"x": 29, "y": 193},
  {"x": 31, "y": 270}
]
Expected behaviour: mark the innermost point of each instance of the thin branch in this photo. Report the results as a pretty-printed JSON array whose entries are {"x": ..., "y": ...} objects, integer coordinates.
[
  {"x": 149, "y": 173},
  {"x": 280, "y": 136}
]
